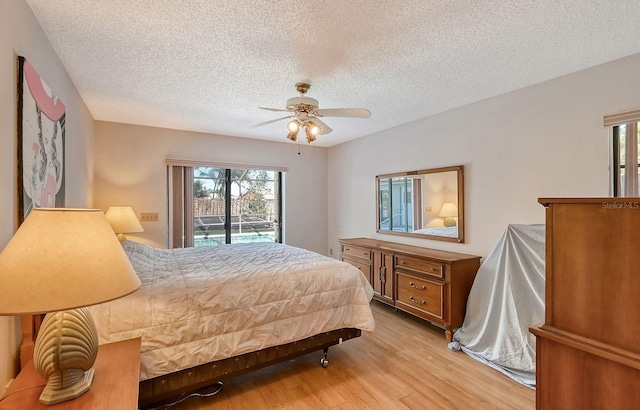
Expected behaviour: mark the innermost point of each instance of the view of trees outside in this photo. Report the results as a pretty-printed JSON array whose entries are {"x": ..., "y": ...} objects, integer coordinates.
[{"x": 252, "y": 202}]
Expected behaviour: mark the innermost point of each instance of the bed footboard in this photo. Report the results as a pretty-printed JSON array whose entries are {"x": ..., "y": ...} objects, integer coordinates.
[{"x": 188, "y": 380}]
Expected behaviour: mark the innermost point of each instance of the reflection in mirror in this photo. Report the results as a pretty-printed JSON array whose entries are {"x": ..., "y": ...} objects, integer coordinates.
[{"x": 426, "y": 203}]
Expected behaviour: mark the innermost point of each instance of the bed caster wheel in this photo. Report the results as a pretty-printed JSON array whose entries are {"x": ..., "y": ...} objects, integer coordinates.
[{"x": 324, "y": 362}]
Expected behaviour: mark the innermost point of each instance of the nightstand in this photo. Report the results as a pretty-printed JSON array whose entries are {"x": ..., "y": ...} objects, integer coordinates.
[{"x": 115, "y": 384}]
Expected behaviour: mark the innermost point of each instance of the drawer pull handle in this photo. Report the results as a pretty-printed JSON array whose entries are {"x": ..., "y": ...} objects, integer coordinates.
[
  {"x": 424, "y": 302},
  {"x": 346, "y": 249},
  {"x": 434, "y": 270},
  {"x": 423, "y": 287}
]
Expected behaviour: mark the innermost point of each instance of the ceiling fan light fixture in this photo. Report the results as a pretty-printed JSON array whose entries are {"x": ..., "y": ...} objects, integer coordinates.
[
  {"x": 313, "y": 128},
  {"x": 310, "y": 135},
  {"x": 293, "y": 135},
  {"x": 294, "y": 126}
]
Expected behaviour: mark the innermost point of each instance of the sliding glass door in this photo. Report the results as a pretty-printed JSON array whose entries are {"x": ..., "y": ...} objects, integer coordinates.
[{"x": 235, "y": 206}]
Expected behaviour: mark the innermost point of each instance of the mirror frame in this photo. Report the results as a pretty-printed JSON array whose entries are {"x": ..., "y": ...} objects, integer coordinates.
[{"x": 460, "y": 172}]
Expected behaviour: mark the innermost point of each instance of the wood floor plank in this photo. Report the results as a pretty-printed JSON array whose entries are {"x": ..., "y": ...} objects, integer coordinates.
[
  {"x": 403, "y": 364},
  {"x": 421, "y": 401}
]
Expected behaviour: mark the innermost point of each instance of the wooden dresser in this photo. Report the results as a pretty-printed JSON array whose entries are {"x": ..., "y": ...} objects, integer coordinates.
[
  {"x": 588, "y": 349},
  {"x": 428, "y": 283}
]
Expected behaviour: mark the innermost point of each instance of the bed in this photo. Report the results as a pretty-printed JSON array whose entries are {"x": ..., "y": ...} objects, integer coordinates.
[
  {"x": 448, "y": 231},
  {"x": 208, "y": 314}
]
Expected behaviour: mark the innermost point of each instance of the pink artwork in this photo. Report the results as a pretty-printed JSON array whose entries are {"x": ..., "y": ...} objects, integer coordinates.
[{"x": 41, "y": 128}]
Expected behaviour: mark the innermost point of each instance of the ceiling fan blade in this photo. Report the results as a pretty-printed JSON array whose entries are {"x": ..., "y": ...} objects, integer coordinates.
[
  {"x": 324, "y": 128},
  {"x": 273, "y": 109},
  {"x": 270, "y": 121},
  {"x": 345, "y": 112}
]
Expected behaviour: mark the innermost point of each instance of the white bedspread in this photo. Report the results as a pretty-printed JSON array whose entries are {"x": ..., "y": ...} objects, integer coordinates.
[
  {"x": 448, "y": 231},
  {"x": 198, "y": 305}
]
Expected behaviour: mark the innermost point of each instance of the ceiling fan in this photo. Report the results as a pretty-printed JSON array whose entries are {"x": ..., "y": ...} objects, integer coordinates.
[{"x": 305, "y": 114}]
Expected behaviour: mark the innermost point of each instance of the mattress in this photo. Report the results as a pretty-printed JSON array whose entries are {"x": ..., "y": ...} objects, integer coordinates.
[{"x": 198, "y": 305}]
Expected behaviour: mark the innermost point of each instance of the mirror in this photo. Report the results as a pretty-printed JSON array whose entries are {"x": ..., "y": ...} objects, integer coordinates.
[{"x": 426, "y": 204}]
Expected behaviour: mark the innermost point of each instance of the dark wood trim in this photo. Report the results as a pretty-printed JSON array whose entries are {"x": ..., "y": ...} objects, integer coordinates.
[
  {"x": 616, "y": 161},
  {"x": 19, "y": 127},
  {"x": 587, "y": 345},
  {"x": 594, "y": 200}
]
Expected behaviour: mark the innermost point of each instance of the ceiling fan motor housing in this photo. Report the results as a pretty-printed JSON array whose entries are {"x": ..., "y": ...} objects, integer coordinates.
[
  {"x": 306, "y": 104},
  {"x": 302, "y": 87}
]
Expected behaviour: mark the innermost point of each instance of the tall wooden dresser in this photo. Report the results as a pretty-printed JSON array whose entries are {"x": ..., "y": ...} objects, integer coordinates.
[
  {"x": 431, "y": 284},
  {"x": 588, "y": 349}
]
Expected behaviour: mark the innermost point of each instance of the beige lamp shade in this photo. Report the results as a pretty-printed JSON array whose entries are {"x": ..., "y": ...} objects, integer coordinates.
[
  {"x": 63, "y": 259},
  {"x": 448, "y": 212},
  {"x": 449, "y": 209},
  {"x": 123, "y": 220}
]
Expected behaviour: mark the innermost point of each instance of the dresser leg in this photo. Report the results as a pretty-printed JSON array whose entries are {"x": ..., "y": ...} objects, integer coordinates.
[{"x": 448, "y": 335}]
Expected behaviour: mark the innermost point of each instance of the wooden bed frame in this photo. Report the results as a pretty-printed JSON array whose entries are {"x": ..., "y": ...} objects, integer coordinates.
[{"x": 188, "y": 380}]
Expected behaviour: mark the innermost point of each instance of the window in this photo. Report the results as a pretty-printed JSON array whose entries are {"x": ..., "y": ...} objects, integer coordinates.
[
  {"x": 397, "y": 197},
  {"x": 213, "y": 205},
  {"x": 625, "y": 160},
  {"x": 626, "y": 153}
]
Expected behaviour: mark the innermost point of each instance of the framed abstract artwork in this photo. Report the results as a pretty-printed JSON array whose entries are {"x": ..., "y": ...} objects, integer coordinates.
[{"x": 41, "y": 134}]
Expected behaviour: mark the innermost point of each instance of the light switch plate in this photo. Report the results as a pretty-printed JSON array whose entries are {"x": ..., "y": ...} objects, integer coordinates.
[{"x": 148, "y": 216}]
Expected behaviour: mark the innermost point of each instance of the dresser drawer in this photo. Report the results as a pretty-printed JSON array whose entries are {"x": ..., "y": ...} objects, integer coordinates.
[
  {"x": 423, "y": 295},
  {"x": 349, "y": 250},
  {"x": 420, "y": 288},
  {"x": 364, "y": 267},
  {"x": 420, "y": 265}
]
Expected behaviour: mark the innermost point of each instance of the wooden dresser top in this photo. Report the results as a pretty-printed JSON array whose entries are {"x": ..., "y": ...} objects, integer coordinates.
[{"x": 443, "y": 256}]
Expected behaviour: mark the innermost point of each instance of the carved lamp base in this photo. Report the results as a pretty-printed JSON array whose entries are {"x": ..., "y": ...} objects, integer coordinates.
[
  {"x": 448, "y": 221},
  {"x": 50, "y": 395},
  {"x": 66, "y": 348}
]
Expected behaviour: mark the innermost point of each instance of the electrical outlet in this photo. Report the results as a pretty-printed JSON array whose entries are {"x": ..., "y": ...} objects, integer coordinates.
[
  {"x": 330, "y": 251},
  {"x": 149, "y": 217},
  {"x": 427, "y": 209}
]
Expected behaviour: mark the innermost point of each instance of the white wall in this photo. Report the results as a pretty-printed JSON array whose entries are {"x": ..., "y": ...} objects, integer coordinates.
[
  {"x": 130, "y": 170},
  {"x": 20, "y": 34},
  {"x": 546, "y": 140}
]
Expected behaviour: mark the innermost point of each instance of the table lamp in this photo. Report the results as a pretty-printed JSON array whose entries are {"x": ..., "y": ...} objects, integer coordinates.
[
  {"x": 449, "y": 211},
  {"x": 59, "y": 261},
  {"x": 123, "y": 220}
]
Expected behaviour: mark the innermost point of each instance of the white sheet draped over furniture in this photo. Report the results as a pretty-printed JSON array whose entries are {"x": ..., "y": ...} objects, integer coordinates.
[
  {"x": 198, "y": 305},
  {"x": 506, "y": 299}
]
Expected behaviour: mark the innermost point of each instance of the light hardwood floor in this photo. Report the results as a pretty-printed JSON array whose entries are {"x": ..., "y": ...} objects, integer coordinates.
[{"x": 404, "y": 364}]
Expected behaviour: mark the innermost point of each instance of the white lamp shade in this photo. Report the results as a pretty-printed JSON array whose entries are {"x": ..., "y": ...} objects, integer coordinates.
[
  {"x": 63, "y": 259},
  {"x": 123, "y": 219},
  {"x": 449, "y": 210}
]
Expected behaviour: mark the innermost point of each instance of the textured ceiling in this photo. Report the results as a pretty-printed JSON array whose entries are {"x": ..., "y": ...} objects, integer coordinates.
[{"x": 207, "y": 66}]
